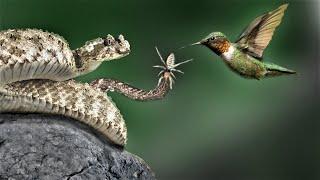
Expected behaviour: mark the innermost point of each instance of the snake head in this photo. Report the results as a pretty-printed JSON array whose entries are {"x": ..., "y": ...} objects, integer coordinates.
[
  {"x": 115, "y": 48},
  {"x": 105, "y": 49},
  {"x": 94, "y": 52}
]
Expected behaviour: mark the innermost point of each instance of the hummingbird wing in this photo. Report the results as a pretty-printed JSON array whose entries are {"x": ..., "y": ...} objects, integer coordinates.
[{"x": 256, "y": 37}]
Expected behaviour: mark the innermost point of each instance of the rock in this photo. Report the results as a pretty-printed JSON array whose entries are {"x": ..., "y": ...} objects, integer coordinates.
[{"x": 37, "y": 146}]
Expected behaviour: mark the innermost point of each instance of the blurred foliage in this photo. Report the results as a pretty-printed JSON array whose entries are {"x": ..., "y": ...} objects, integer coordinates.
[{"x": 214, "y": 123}]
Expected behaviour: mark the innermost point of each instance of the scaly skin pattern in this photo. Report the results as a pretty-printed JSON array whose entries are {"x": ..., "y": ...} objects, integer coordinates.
[
  {"x": 68, "y": 98},
  {"x": 31, "y": 53},
  {"x": 36, "y": 54},
  {"x": 36, "y": 68},
  {"x": 132, "y": 92}
]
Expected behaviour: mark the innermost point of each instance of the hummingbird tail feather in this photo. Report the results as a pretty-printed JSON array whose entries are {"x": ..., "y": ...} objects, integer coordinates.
[{"x": 275, "y": 70}]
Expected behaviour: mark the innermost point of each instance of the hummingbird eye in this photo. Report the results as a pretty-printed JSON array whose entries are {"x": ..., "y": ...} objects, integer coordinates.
[{"x": 212, "y": 38}]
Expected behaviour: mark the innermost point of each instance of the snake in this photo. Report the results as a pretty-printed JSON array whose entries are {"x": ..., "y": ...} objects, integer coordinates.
[{"x": 37, "y": 71}]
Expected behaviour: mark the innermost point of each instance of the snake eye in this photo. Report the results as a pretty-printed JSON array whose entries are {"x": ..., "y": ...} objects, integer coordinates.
[{"x": 107, "y": 42}]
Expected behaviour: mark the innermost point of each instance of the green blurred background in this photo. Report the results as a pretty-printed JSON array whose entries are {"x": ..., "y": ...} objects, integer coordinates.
[{"x": 214, "y": 124}]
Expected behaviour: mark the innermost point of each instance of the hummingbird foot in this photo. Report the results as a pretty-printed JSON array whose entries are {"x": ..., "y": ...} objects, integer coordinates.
[{"x": 168, "y": 68}]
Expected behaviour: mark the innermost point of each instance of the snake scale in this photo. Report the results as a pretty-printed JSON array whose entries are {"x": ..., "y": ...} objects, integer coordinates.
[{"x": 36, "y": 76}]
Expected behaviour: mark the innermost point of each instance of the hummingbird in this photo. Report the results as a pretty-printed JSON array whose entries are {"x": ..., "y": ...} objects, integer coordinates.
[{"x": 245, "y": 55}]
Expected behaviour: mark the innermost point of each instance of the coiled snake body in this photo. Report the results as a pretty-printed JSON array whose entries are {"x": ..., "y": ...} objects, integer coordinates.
[{"x": 36, "y": 71}]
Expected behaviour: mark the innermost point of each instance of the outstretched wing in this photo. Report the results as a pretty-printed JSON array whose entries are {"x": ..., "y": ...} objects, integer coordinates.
[{"x": 256, "y": 37}]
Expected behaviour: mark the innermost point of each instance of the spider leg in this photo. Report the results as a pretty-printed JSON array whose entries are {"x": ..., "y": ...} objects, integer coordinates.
[
  {"x": 159, "y": 54},
  {"x": 161, "y": 67},
  {"x": 177, "y": 70},
  {"x": 176, "y": 65}
]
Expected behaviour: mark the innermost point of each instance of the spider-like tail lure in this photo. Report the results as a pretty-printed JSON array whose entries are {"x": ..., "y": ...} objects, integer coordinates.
[
  {"x": 169, "y": 67},
  {"x": 165, "y": 82}
]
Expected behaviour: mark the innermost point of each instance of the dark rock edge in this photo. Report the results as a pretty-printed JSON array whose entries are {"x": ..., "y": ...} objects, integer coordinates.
[{"x": 42, "y": 146}]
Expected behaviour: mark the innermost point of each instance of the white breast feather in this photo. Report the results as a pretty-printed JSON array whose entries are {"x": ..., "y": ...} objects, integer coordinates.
[{"x": 228, "y": 54}]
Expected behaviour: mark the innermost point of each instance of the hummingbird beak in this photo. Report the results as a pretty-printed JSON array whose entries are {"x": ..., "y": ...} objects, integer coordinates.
[{"x": 197, "y": 43}]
